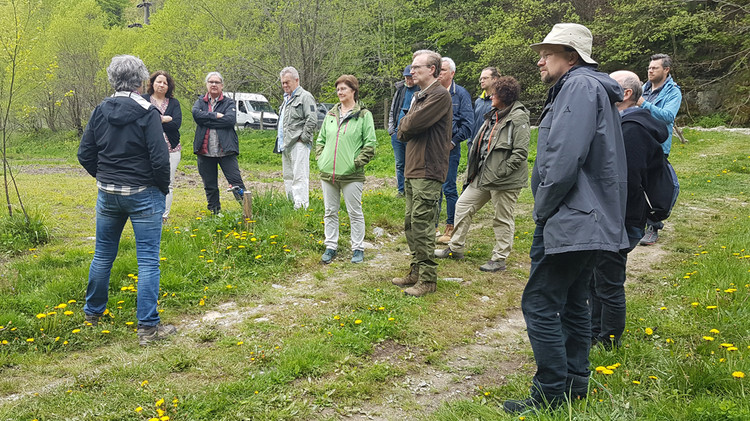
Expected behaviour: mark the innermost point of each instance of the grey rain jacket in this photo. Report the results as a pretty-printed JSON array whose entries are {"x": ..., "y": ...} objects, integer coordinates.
[{"x": 580, "y": 175}]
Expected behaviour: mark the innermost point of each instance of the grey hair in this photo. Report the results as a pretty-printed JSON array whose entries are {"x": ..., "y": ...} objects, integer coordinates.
[
  {"x": 289, "y": 70},
  {"x": 126, "y": 73},
  {"x": 217, "y": 74},
  {"x": 666, "y": 61},
  {"x": 451, "y": 63},
  {"x": 629, "y": 80},
  {"x": 433, "y": 59}
]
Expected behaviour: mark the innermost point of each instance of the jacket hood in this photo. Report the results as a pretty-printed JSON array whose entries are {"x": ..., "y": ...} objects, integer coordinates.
[
  {"x": 657, "y": 129},
  {"x": 613, "y": 89},
  {"x": 124, "y": 108}
]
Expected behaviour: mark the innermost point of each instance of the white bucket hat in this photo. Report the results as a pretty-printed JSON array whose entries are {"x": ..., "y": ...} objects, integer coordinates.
[{"x": 573, "y": 35}]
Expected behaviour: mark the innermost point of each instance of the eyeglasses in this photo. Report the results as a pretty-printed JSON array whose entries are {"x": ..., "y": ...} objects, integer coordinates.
[
  {"x": 654, "y": 68},
  {"x": 214, "y": 82},
  {"x": 546, "y": 56},
  {"x": 418, "y": 66}
]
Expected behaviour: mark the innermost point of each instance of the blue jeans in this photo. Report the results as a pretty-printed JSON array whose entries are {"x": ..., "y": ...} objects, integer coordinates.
[
  {"x": 145, "y": 210},
  {"x": 449, "y": 187},
  {"x": 399, "y": 153},
  {"x": 558, "y": 322},
  {"x": 608, "y": 292}
]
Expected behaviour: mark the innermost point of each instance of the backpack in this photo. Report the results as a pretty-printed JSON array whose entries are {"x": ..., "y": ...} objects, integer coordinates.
[{"x": 662, "y": 191}]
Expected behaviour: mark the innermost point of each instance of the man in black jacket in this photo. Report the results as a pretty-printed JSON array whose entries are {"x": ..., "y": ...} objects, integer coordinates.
[
  {"x": 647, "y": 174},
  {"x": 216, "y": 142},
  {"x": 123, "y": 147}
]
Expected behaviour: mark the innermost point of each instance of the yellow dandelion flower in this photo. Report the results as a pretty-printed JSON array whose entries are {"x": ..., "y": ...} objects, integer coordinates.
[
  {"x": 711, "y": 307},
  {"x": 738, "y": 375},
  {"x": 201, "y": 302},
  {"x": 670, "y": 341},
  {"x": 356, "y": 322},
  {"x": 714, "y": 331},
  {"x": 695, "y": 304},
  {"x": 30, "y": 340},
  {"x": 144, "y": 383},
  {"x": 75, "y": 330},
  {"x": 336, "y": 317},
  {"x": 41, "y": 315},
  {"x": 653, "y": 377},
  {"x": 139, "y": 409},
  {"x": 71, "y": 301},
  {"x": 390, "y": 319},
  {"x": 240, "y": 343},
  {"x": 708, "y": 338},
  {"x": 258, "y": 256},
  {"x": 105, "y": 331},
  {"x": 61, "y": 305},
  {"x": 732, "y": 348},
  {"x": 160, "y": 402},
  {"x": 607, "y": 371},
  {"x": 636, "y": 382},
  {"x": 726, "y": 345},
  {"x": 649, "y": 331}
]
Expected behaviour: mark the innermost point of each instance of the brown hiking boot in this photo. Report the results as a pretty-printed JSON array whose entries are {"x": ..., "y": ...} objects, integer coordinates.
[
  {"x": 410, "y": 279},
  {"x": 446, "y": 237},
  {"x": 421, "y": 288},
  {"x": 148, "y": 334}
]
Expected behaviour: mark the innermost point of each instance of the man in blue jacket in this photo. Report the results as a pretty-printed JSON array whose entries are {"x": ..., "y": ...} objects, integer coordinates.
[
  {"x": 463, "y": 120},
  {"x": 579, "y": 182},
  {"x": 662, "y": 96}
]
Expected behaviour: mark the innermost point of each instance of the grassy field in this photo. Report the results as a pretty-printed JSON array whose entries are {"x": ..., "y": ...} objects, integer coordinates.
[{"x": 267, "y": 333}]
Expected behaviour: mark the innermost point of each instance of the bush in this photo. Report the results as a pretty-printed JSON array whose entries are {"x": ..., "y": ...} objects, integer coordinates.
[
  {"x": 18, "y": 234},
  {"x": 713, "y": 120}
]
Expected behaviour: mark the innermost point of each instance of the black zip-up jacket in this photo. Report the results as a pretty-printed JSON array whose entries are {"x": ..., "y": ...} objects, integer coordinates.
[
  {"x": 224, "y": 126},
  {"x": 123, "y": 144},
  {"x": 171, "y": 129}
]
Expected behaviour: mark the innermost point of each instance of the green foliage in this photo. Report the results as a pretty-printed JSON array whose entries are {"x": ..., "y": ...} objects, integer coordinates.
[
  {"x": 713, "y": 120},
  {"x": 17, "y": 234}
]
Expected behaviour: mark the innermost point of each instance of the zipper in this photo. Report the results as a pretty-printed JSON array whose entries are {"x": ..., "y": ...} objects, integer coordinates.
[{"x": 336, "y": 149}]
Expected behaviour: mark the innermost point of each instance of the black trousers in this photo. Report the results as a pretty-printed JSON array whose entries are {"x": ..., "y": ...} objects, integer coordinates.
[{"x": 208, "y": 169}]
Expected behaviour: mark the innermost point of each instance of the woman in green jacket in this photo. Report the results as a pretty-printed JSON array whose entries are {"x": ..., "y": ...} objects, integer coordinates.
[
  {"x": 496, "y": 170},
  {"x": 346, "y": 143}
]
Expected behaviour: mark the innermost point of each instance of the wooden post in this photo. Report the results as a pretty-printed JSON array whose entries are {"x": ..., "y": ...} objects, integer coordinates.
[
  {"x": 678, "y": 132},
  {"x": 247, "y": 205}
]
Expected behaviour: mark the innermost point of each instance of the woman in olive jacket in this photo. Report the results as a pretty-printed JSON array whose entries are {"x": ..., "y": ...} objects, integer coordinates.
[
  {"x": 497, "y": 170},
  {"x": 346, "y": 143}
]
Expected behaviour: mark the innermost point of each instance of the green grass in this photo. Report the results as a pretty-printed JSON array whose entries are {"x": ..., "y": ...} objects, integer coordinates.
[{"x": 268, "y": 333}]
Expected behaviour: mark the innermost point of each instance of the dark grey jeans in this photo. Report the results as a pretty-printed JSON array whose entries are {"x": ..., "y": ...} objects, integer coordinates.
[
  {"x": 208, "y": 169},
  {"x": 558, "y": 321}
]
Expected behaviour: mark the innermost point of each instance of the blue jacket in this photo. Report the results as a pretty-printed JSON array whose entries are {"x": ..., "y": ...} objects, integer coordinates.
[
  {"x": 463, "y": 114},
  {"x": 482, "y": 106},
  {"x": 665, "y": 107},
  {"x": 580, "y": 174}
]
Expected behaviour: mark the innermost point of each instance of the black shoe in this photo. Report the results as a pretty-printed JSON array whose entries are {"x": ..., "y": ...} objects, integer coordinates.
[{"x": 513, "y": 406}]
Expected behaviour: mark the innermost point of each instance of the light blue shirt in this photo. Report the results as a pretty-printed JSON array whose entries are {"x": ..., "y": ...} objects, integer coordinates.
[{"x": 280, "y": 124}]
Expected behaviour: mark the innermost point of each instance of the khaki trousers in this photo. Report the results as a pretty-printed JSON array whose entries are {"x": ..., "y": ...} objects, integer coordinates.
[
  {"x": 421, "y": 196},
  {"x": 471, "y": 200}
]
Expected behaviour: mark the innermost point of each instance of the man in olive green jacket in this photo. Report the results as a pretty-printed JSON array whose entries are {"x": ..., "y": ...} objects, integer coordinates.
[
  {"x": 426, "y": 129},
  {"x": 298, "y": 118}
]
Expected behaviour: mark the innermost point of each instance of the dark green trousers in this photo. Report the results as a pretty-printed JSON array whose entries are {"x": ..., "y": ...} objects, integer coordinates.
[{"x": 422, "y": 196}]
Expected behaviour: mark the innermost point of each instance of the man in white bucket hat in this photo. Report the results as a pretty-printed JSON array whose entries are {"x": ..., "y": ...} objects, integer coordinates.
[{"x": 579, "y": 184}]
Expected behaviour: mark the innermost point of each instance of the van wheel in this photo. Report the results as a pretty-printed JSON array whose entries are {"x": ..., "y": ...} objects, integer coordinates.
[{"x": 247, "y": 125}]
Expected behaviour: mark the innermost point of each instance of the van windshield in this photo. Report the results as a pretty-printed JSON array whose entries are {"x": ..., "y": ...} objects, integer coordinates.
[{"x": 260, "y": 106}]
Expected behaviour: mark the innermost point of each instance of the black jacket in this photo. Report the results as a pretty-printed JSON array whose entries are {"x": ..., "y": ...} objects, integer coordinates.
[
  {"x": 224, "y": 126},
  {"x": 171, "y": 129},
  {"x": 123, "y": 144},
  {"x": 643, "y": 135}
]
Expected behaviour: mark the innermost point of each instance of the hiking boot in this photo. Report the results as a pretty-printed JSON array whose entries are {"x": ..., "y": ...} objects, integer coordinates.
[
  {"x": 652, "y": 234},
  {"x": 448, "y": 253},
  {"x": 421, "y": 288},
  {"x": 148, "y": 334},
  {"x": 328, "y": 256},
  {"x": 92, "y": 319},
  {"x": 446, "y": 237},
  {"x": 493, "y": 266},
  {"x": 410, "y": 279},
  {"x": 358, "y": 256}
]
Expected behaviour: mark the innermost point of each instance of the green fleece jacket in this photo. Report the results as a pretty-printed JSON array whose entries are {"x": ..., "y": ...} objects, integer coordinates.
[{"x": 345, "y": 145}]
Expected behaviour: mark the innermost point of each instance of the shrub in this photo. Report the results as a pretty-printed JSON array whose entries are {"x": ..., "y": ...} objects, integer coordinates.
[{"x": 18, "y": 234}]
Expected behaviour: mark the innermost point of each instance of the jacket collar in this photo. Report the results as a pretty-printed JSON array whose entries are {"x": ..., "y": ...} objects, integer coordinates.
[
  {"x": 336, "y": 110},
  {"x": 207, "y": 97}
]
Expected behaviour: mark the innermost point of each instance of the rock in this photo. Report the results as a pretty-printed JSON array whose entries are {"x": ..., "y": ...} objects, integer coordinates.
[
  {"x": 485, "y": 298},
  {"x": 459, "y": 280},
  {"x": 378, "y": 232}
]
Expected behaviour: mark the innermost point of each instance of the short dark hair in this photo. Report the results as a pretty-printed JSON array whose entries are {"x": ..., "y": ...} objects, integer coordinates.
[
  {"x": 493, "y": 72},
  {"x": 351, "y": 82},
  {"x": 170, "y": 83},
  {"x": 666, "y": 61},
  {"x": 507, "y": 89}
]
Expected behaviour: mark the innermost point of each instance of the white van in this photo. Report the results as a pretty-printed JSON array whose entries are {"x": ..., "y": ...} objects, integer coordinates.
[{"x": 250, "y": 108}]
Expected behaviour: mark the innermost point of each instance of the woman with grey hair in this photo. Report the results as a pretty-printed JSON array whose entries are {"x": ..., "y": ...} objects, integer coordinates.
[
  {"x": 216, "y": 143},
  {"x": 123, "y": 148}
]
